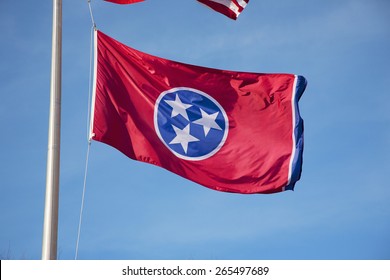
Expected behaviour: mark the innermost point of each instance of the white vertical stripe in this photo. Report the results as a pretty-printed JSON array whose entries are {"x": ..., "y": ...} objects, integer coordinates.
[
  {"x": 92, "y": 113},
  {"x": 294, "y": 148}
]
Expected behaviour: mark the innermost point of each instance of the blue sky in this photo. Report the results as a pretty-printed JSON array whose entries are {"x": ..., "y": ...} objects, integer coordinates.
[{"x": 340, "y": 208}]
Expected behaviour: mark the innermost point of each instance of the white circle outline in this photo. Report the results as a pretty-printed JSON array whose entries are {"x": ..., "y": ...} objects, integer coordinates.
[{"x": 156, "y": 128}]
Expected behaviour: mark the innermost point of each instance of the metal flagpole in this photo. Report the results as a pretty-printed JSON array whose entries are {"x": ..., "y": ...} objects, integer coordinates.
[{"x": 50, "y": 224}]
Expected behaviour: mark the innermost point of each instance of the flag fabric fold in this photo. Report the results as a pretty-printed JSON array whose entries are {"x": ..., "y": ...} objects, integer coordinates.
[
  {"x": 229, "y": 131},
  {"x": 229, "y": 8}
]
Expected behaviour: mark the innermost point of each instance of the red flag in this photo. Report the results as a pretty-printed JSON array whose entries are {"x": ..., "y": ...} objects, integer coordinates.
[
  {"x": 230, "y": 8},
  {"x": 124, "y": 1},
  {"x": 229, "y": 131}
]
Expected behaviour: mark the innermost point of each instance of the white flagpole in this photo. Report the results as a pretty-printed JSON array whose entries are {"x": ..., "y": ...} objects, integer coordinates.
[{"x": 50, "y": 225}]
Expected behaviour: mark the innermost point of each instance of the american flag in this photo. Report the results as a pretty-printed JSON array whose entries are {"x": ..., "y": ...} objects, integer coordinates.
[
  {"x": 230, "y": 8},
  {"x": 124, "y": 1}
]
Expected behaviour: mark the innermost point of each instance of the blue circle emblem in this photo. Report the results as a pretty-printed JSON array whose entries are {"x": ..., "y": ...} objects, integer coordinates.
[{"x": 191, "y": 124}]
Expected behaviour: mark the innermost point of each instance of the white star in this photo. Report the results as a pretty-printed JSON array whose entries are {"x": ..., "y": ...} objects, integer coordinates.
[
  {"x": 183, "y": 137},
  {"x": 208, "y": 121},
  {"x": 178, "y": 107}
]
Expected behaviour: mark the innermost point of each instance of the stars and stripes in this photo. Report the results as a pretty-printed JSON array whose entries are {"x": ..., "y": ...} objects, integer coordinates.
[
  {"x": 230, "y": 8},
  {"x": 124, "y": 1}
]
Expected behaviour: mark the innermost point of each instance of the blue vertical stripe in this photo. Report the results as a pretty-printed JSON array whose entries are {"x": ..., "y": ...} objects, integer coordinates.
[{"x": 296, "y": 166}]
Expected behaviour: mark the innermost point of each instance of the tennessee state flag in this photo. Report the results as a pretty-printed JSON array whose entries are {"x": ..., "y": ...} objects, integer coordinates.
[{"x": 229, "y": 131}]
